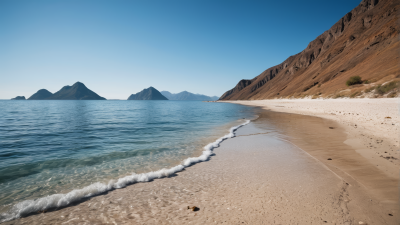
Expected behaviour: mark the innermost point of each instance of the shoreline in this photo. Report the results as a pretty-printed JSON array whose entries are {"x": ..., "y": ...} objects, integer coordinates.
[
  {"x": 106, "y": 149},
  {"x": 264, "y": 175},
  {"x": 62, "y": 200},
  {"x": 368, "y": 149}
]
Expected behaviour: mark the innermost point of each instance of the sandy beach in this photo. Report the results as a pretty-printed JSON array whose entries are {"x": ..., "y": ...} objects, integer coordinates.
[
  {"x": 364, "y": 148},
  {"x": 300, "y": 162},
  {"x": 200, "y": 112}
]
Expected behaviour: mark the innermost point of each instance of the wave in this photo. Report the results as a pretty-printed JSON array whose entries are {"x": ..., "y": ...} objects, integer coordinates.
[{"x": 54, "y": 201}]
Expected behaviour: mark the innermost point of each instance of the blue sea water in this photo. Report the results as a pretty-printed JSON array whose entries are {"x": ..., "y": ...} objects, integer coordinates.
[{"x": 54, "y": 147}]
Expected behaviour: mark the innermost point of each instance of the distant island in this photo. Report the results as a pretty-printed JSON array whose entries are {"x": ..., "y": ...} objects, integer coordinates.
[
  {"x": 78, "y": 91},
  {"x": 42, "y": 94},
  {"x": 19, "y": 98},
  {"x": 148, "y": 94},
  {"x": 187, "y": 96}
]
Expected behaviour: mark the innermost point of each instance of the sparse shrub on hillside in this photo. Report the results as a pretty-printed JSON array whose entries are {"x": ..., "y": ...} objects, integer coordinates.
[
  {"x": 383, "y": 89},
  {"x": 354, "y": 80}
]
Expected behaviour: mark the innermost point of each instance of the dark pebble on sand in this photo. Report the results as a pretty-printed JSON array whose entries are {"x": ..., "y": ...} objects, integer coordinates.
[
  {"x": 331, "y": 128},
  {"x": 329, "y": 159}
]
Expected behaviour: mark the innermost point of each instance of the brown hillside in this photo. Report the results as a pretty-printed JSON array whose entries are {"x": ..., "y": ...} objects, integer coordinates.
[{"x": 365, "y": 43}]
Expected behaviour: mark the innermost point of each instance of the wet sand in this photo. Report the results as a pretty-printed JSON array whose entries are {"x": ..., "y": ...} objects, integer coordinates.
[
  {"x": 258, "y": 177},
  {"x": 363, "y": 143}
]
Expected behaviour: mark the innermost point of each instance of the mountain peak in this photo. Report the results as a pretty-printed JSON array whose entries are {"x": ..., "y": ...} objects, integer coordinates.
[
  {"x": 78, "y": 91},
  {"x": 41, "y": 95},
  {"x": 148, "y": 94},
  {"x": 79, "y": 84}
]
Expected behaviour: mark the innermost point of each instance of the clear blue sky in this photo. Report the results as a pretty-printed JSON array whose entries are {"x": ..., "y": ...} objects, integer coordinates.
[{"x": 117, "y": 47}]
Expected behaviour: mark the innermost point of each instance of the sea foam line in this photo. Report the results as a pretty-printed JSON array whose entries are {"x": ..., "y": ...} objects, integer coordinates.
[{"x": 61, "y": 200}]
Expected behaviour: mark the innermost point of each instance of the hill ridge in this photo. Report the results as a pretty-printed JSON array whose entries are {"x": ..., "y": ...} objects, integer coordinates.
[{"x": 349, "y": 48}]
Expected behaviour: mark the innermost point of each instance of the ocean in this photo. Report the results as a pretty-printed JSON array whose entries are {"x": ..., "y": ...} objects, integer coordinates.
[{"x": 55, "y": 153}]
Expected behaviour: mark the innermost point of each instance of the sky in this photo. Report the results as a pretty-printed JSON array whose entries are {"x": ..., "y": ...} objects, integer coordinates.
[{"x": 120, "y": 47}]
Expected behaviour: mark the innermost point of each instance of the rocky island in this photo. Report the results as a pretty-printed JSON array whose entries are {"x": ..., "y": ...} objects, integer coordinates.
[
  {"x": 187, "y": 96},
  {"x": 41, "y": 95},
  {"x": 78, "y": 91},
  {"x": 19, "y": 98},
  {"x": 148, "y": 94}
]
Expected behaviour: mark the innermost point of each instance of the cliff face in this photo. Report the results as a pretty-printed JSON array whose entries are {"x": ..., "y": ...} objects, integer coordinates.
[
  {"x": 365, "y": 43},
  {"x": 148, "y": 94}
]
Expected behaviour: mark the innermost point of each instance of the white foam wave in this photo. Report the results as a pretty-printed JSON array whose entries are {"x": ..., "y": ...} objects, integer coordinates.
[{"x": 60, "y": 200}]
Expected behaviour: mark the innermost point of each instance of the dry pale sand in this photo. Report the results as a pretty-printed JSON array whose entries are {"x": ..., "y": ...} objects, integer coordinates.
[
  {"x": 369, "y": 150},
  {"x": 262, "y": 176}
]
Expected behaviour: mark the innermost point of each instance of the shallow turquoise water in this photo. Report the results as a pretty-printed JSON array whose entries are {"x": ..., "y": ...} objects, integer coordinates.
[{"x": 49, "y": 147}]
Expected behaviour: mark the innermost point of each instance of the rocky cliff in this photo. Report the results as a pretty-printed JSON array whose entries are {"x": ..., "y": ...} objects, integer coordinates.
[
  {"x": 148, "y": 94},
  {"x": 365, "y": 43}
]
